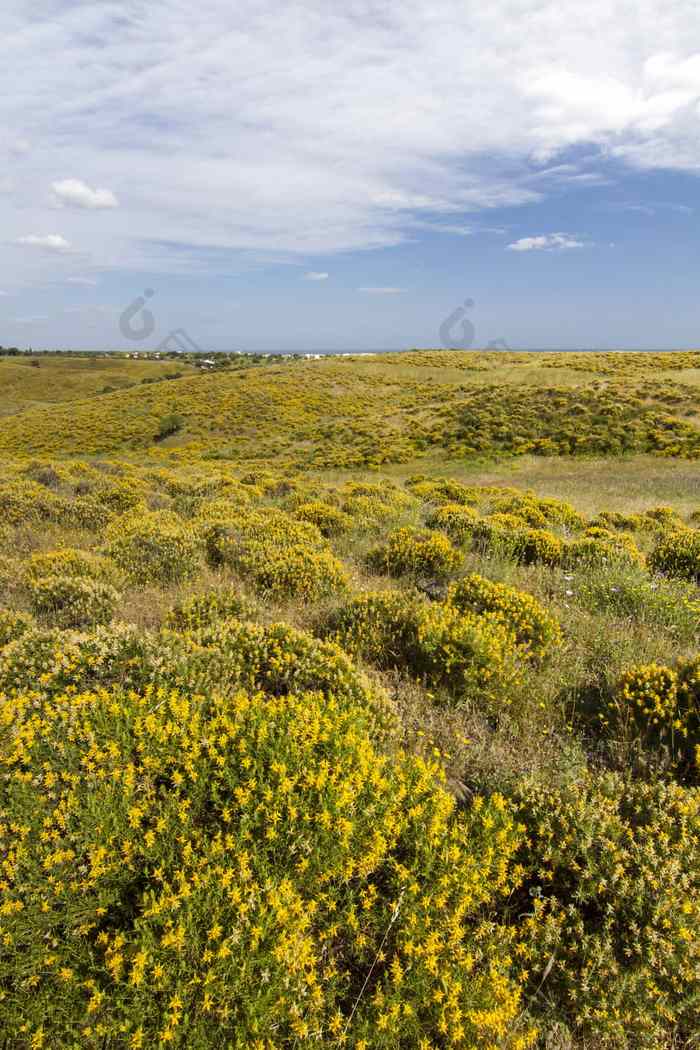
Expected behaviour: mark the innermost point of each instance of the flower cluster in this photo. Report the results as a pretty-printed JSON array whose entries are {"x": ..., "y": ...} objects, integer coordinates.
[
  {"x": 611, "y": 907},
  {"x": 533, "y": 627},
  {"x": 418, "y": 553},
  {"x": 13, "y": 624},
  {"x": 153, "y": 547},
  {"x": 454, "y": 519},
  {"x": 205, "y": 610},
  {"x": 72, "y": 601},
  {"x": 329, "y": 520},
  {"x": 678, "y": 554},
  {"x": 470, "y": 655},
  {"x": 662, "y": 705},
  {"x": 247, "y": 869}
]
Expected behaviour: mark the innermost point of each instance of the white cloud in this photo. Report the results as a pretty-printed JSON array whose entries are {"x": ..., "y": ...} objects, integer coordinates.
[
  {"x": 545, "y": 242},
  {"x": 89, "y": 282},
  {"x": 4, "y": 293},
  {"x": 367, "y": 117},
  {"x": 78, "y": 194},
  {"x": 315, "y": 275},
  {"x": 51, "y": 242},
  {"x": 386, "y": 290}
]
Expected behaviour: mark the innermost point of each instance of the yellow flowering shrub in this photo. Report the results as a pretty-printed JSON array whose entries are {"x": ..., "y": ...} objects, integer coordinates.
[
  {"x": 506, "y": 520},
  {"x": 274, "y": 658},
  {"x": 227, "y": 531},
  {"x": 511, "y": 540},
  {"x": 678, "y": 554},
  {"x": 538, "y": 546},
  {"x": 416, "y": 553},
  {"x": 153, "y": 547},
  {"x": 455, "y": 519},
  {"x": 222, "y": 657},
  {"x": 443, "y": 490},
  {"x": 68, "y": 561},
  {"x": 242, "y": 870},
  {"x": 13, "y": 624},
  {"x": 72, "y": 601},
  {"x": 601, "y": 547},
  {"x": 204, "y": 610},
  {"x": 662, "y": 706},
  {"x": 523, "y": 506},
  {"x": 50, "y": 660},
  {"x": 371, "y": 505},
  {"x": 609, "y": 912},
  {"x": 330, "y": 520},
  {"x": 282, "y": 558},
  {"x": 294, "y": 572},
  {"x": 117, "y": 495},
  {"x": 534, "y": 628},
  {"x": 11, "y": 576},
  {"x": 473, "y": 656},
  {"x": 25, "y": 502}
]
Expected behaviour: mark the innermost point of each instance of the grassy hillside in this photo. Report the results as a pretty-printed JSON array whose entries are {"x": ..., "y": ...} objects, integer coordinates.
[
  {"x": 44, "y": 380},
  {"x": 372, "y": 410},
  {"x": 363, "y": 711}
]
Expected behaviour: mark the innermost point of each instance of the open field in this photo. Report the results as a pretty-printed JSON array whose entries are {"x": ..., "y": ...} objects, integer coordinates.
[{"x": 351, "y": 703}]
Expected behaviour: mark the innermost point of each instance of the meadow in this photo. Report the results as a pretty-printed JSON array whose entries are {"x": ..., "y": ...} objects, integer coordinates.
[{"x": 351, "y": 703}]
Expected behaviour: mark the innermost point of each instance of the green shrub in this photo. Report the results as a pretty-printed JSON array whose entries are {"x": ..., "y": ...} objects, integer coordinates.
[
  {"x": 169, "y": 425},
  {"x": 533, "y": 627},
  {"x": 613, "y": 895},
  {"x": 416, "y": 553},
  {"x": 153, "y": 547},
  {"x": 678, "y": 554},
  {"x": 73, "y": 601},
  {"x": 245, "y": 870}
]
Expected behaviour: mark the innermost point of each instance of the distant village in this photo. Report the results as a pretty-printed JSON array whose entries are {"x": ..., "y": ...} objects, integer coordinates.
[{"x": 217, "y": 359}]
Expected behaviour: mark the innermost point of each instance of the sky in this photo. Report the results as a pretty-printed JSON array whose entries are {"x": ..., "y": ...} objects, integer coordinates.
[{"x": 369, "y": 175}]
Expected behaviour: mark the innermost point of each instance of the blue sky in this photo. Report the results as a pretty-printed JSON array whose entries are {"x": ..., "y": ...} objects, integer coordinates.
[{"x": 297, "y": 178}]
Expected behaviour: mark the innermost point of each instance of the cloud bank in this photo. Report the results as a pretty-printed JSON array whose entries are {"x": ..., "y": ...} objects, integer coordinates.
[{"x": 306, "y": 129}]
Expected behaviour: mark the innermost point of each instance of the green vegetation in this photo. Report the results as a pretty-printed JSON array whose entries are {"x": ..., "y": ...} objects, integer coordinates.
[{"x": 362, "y": 710}]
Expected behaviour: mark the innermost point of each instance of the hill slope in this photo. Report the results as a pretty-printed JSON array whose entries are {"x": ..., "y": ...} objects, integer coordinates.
[{"x": 390, "y": 408}]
